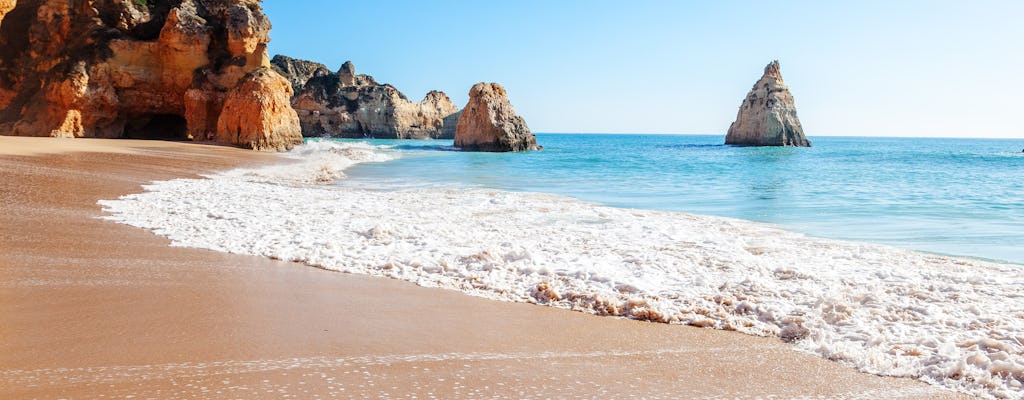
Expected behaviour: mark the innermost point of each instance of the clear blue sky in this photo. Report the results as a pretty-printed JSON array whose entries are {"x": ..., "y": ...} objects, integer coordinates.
[{"x": 879, "y": 68}]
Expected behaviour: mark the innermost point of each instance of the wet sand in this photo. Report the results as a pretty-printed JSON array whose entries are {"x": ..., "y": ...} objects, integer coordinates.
[{"x": 93, "y": 309}]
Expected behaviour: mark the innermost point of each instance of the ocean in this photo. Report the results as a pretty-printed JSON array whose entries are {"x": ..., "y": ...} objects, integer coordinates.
[
  {"x": 948, "y": 196},
  {"x": 839, "y": 248}
]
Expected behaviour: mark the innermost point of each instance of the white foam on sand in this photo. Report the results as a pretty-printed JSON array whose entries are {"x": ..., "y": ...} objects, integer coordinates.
[
  {"x": 952, "y": 322},
  {"x": 315, "y": 162}
]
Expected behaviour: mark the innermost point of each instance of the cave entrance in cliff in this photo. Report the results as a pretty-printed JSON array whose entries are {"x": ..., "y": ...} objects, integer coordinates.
[{"x": 157, "y": 127}]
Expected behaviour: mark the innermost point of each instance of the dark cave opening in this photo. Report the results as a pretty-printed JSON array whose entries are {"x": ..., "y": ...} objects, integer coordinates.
[{"x": 156, "y": 126}]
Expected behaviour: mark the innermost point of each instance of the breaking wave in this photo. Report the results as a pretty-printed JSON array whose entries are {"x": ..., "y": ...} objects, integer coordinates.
[{"x": 952, "y": 322}]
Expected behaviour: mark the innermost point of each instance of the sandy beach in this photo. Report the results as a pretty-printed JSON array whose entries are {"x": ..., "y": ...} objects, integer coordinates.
[{"x": 93, "y": 309}]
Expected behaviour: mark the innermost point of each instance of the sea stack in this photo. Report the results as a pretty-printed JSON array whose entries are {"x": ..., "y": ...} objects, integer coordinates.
[
  {"x": 767, "y": 116},
  {"x": 189, "y": 69},
  {"x": 489, "y": 123}
]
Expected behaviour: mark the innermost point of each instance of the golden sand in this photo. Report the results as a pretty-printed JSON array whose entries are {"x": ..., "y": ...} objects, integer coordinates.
[{"x": 89, "y": 307}]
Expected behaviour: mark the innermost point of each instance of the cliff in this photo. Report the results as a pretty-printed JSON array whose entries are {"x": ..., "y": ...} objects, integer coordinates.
[
  {"x": 298, "y": 72},
  {"x": 143, "y": 69},
  {"x": 5, "y": 7},
  {"x": 767, "y": 116},
  {"x": 346, "y": 104},
  {"x": 489, "y": 123}
]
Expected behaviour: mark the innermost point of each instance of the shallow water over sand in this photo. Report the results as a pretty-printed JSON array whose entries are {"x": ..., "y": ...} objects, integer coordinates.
[
  {"x": 948, "y": 196},
  {"x": 881, "y": 309}
]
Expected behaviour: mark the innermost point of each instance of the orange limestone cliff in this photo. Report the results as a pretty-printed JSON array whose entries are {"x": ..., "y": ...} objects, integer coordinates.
[
  {"x": 188, "y": 69},
  {"x": 489, "y": 123},
  {"x": 767, "y": 116},
  {"x": 5, "y": 7}
]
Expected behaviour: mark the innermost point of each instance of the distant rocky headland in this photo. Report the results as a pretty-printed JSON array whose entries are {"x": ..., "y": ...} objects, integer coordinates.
[
  {"x": 194, "y": 69},
  {"x": 349, "y": 105},
  {"x": 767, "y": 116},
  {"x": 344, "y": 104}
]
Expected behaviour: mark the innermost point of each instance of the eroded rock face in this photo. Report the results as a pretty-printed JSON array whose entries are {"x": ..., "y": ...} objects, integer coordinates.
[
  {"x": 250, "y": 117},
  {"x": 346, "y": 104},
  {"x": 298, "y": 72},
  {"x": 767, "y": 116},
  {"x": 124, "y": 68},
  {"x": 5, "y": 7},
  {"x": 489, "y": 123}
]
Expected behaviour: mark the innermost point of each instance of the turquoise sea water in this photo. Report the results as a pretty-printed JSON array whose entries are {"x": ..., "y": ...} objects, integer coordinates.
[{"x": 949, "y": 196}]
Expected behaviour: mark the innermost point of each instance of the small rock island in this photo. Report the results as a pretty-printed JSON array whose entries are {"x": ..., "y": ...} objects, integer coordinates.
[
  {"x": 767, "y": 116},
  {"x": 489, "y": 123}
]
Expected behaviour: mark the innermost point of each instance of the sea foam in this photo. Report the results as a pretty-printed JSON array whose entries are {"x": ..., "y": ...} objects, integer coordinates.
[{"x": 952, "y": 322}]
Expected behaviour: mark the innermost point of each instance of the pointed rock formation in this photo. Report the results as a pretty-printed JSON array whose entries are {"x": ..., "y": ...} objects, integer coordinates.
[
  {"x": 489, "y": 123},
  {"x": 298, "y": 72},
  {"x": 346, "y": 104},
  {"x": 143, "y": 69},
  {"x": 767, "y": 116}
]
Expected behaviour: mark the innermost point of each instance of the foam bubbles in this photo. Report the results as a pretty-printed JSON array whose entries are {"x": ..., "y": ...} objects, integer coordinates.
[
  {"x": 315, "y": 162},
  {"x": 952, "y": 322}
]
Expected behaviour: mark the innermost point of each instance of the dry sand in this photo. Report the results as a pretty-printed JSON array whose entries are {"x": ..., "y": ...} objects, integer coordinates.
[{"x": 91, "y": 309}]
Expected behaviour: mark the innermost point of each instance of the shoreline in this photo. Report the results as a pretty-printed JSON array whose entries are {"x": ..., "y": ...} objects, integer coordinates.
[
  {"x": 129, "y": 315},
  {"x": 711, "y": 182}
]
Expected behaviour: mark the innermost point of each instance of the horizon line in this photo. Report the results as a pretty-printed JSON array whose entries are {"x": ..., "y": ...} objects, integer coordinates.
[{"x": 809, "y": 136}]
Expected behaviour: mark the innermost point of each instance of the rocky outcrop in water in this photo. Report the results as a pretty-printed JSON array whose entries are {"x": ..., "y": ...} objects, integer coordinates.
[
  {"x": 489, "y": 123},
  {"x": 346, "y": 104},
  {"x": 767, "y": 116},
  {"x": 188, "y": 69}
]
